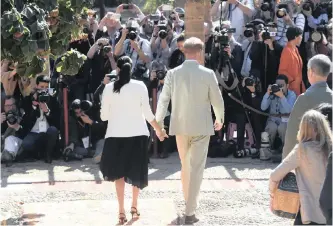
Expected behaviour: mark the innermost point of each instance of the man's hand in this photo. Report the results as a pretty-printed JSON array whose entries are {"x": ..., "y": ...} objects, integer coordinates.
[
  {"x": 135, "y": 45},
  {"x": 269, "y": 42},
  {"x": 228, "y": 50},
  {"x": 218, "y": 125},
  {"x": 324, "y": 39},
  {"x": 155, "y": 31},
  {"x": 161, "y": 134},
  {"x": 15, "y": 126},
  {"x": 269, "y": 89},
  {"x": 287, "y": 18},
  {"x": 152, "y": 75},
  {"x": 85, "y": 118},
  {"x": 3, "y": 117},
  {"x": 124, "y": 33},
  {"x": 44, "y": 107},
  {"x": 279, "y": 94},
  {"x": 106, "y": 80}
]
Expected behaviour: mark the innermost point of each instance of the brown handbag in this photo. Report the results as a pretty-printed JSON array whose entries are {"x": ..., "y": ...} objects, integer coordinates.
[{"x": 286, "y": 202}]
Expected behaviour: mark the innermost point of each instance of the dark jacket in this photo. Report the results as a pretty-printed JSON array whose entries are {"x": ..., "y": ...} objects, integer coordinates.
[
  {"x": 257, "y": 55},
  {"x": 31, "y": 114},
  {"x": 325, "y": 199},
  {"x": 79, "y": 130}
]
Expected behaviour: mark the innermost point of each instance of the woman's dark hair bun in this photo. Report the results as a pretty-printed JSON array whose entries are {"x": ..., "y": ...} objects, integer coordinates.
[{"x": 124, "y": 76}]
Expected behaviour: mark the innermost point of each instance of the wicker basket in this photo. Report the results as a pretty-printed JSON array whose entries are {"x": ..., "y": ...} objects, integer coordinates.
[{"x": 285, "y": 202}]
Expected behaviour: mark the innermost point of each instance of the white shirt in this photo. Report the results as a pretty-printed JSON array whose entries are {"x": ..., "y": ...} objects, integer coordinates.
[
  {"x": 127, "y": 111},
  {"x": 41, "y": 118}
]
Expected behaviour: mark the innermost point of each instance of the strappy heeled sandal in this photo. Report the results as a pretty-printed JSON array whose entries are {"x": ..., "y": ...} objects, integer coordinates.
[
  {"x": 135, "y": 213},
  {"x": 122, "y": 218}
]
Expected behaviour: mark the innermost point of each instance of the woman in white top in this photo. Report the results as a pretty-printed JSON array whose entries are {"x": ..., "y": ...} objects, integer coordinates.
[
  {"x": 125, "y": 105},
  {"x": 309, "y": 159}
]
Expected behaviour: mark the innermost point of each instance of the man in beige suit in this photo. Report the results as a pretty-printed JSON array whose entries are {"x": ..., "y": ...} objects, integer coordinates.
[
  {"x": 192, "y": 89},
  {"x": 319, "y": 68}
]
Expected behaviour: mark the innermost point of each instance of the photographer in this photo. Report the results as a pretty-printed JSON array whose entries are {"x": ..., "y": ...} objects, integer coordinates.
[
  {"x": 163, "y": 41},
  {"x": 86, "y": 131},
  {"x": 265, "y": 11},
  {"x": 231, "y": 52},
  {"x": 280, "y": 100},
  {"x": 42, "y": 121},
  {"x": 237, "y": 12},
  {"x": 138, "y": 49},
  {"x": 178, "y": 24},
  {"x": 316, "y": 12},
  {"x": 287, "y": 16},
  {"x": 12, "y": 131},
  {"x": 323, "y": 42},
  {"x": 265, "y": 55},
  {"x": 209, "y": 44},
  {"x": 101, "y": 60},
  {"x": 109, "y": 27},
  {"x": 178, "y": 56},
  {"x": 99, "y": 91},
  {"x": 157, "y": 75}
]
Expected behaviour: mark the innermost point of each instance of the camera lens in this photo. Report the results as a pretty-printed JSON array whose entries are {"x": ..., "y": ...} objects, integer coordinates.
[
  {"x": 11, "y": 118},
  {"x": 162, "y": 34},
  {"x": 316, "y": 36},
  {"x": 265, "y": 6},
  {"x": 248, "y": 32},
  {"x": 132, "y": 35},
  {"x": 280, "y": 13}
]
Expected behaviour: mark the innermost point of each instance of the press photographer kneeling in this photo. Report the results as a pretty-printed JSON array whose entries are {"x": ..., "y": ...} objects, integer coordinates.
[
  {"x": 42, "y": 120},
  {"x": 12, "y": 131},
  {"x": 280, "y": 101},
  {"x": 86, "y": 132}
]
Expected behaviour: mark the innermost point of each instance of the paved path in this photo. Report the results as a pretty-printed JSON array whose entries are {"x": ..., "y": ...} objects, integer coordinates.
[{"x": 234, "y": 192}]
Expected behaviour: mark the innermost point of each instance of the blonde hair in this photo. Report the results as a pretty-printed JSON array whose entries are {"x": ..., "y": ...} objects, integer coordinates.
[
  {"x": 314, "y": 127},
  {"x": 193, "y": 45}
]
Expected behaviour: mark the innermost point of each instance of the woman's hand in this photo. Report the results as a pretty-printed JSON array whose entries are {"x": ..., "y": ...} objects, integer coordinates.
[{"x": 161, "y": 134}]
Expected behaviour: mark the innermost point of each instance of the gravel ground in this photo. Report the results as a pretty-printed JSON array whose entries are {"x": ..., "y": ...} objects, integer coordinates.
[{"x": 234, "y": 191}]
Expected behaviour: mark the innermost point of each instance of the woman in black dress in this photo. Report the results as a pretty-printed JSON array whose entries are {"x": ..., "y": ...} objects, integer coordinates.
[{"x": 125, "y": 105}]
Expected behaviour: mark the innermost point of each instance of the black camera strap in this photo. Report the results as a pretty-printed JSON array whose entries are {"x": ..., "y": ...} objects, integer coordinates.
[{"x": 137, "y": 54}]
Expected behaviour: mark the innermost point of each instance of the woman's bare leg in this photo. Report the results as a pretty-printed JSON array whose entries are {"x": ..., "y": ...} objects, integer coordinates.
[
  {"x": 120, "y": 188},
  {"x": 136, "y": 191}
]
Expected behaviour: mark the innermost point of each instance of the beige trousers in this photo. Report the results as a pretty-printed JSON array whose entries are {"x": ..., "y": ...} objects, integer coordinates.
[{"x": 193, "y": 155}]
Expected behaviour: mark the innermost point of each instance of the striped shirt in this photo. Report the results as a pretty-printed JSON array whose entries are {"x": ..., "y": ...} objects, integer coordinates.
[{"x": 282, "y": 27}]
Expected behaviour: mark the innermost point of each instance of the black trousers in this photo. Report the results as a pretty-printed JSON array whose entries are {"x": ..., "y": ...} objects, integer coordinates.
[
  {"x": 257, "y": 126},
  {"x": 39, "y": 145},
  {"x": 298, "y": 220}
]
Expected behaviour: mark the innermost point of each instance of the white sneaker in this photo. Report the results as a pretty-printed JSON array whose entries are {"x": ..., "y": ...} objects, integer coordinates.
[{"x": 265, "y": 154}]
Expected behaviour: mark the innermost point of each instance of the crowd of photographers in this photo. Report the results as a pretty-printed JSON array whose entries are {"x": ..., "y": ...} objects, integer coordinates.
[{"x": 259, "y": 54}]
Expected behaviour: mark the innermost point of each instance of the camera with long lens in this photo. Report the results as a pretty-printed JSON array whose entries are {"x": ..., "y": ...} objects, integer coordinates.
[
  {"x": 162, "y": 26},
  {"x": 266, "y": 34},
  {"x": 282, "y": 10},
  {"x": 249, "y": 81},
  {"x": 12, "y": 117},
  {"x": 85, "y": 105},
  {"x": 266, "y": 6},
  {"x": 317, "y": 35},
  {"x": 43, "y": 96},
  {"x": 222, "y": 37},
  {"x": 132, "y": 33},
  {"x": 155, "y": 18},
  {"x": 139, "y": 71},
  {"x": 250, "y": 30},
  {"x": 159, "y": 68},
  {"x": 276, "y": 88},
  {"x": 221, "y": 41},
  {"x": 307, "y": 6}
]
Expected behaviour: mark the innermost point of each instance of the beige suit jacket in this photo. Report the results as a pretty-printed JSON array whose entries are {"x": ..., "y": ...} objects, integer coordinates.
[
  {"x": 192, "y": 89},
  {"x": 315, "y": 95}
]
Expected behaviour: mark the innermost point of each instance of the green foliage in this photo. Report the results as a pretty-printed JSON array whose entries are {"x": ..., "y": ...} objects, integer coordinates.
[
  {"x": 71, "y": 62},
  {"x": 26, "y": 35}
]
